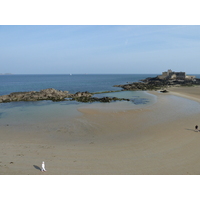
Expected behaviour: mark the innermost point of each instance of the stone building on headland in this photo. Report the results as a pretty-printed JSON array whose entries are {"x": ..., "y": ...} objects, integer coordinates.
[{"x": 175, "y": 75}]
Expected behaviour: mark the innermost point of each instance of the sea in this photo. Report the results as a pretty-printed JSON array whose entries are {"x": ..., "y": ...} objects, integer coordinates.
[
  {"x": 25, "y": 113},
  {"x": 70, "y": 82}
]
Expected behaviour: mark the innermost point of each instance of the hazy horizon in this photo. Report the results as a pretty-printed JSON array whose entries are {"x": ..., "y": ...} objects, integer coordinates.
[{"x": 11, "y": 74}]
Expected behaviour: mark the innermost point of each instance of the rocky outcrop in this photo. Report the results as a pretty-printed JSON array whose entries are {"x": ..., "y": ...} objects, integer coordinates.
[
  {"x": 47, "y": 94},
  {"x": 55, "y": 95},
  {"x": 157, "y": 83},
  {"x": 86, "y": 99},
  {"x": 80, "y": 94}
]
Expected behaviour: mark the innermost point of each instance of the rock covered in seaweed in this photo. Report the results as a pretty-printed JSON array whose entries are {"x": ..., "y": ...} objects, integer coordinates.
[
  {"x": 46, "y": 94},
  {"x": 90, "y": 99},
  {"x": 55, "y": 95},
  {"x": 156, "y": 83}
]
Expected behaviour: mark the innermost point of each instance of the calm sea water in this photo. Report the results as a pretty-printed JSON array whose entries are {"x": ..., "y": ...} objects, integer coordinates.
[{"x": 71, "y": 83}]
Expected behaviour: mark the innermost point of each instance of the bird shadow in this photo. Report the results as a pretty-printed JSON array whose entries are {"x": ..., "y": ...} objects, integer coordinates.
[
  {"x": 36, "y": 167},
  {"x": 191, "y": 130}
]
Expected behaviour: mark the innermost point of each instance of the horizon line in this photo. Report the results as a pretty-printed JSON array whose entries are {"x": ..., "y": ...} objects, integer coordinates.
[{"x": 11, "y": 74}]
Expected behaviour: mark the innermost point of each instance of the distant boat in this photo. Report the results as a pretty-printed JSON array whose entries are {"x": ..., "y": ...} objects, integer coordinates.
[{"x": 70, "y": 74}]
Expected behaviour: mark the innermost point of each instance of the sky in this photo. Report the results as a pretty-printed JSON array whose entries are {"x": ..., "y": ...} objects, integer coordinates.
[{"x": 99, "y": 49}]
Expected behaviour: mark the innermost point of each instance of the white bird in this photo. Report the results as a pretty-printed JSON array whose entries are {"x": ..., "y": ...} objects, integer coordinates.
[{"x": 43, "y": 167}]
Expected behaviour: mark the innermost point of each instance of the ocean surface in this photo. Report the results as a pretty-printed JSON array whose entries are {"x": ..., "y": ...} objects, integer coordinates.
[
  {"x": 35, "y": 112},
  {"x": 71, "y": 83}
]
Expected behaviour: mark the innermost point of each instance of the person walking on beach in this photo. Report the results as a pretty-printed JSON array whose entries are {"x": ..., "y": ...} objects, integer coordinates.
[
  {"x": 196, "y": 128},
  {"x": 43, "y": 167}
]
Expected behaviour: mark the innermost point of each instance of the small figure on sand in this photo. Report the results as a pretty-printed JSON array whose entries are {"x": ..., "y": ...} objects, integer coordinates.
[
  {"x": 196, "y": 128},
  {"x": 43, "y": 167}
]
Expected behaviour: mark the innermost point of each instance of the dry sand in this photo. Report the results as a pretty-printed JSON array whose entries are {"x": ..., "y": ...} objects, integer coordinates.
[{"x": 158, "y": 139}]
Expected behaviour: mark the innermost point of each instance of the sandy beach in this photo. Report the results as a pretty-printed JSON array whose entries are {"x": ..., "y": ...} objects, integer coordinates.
[
  {"x": 186, "y": 92},
  {"x": 156, "y": 140}
]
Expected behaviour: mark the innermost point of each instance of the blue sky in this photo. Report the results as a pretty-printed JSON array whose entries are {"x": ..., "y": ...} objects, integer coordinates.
[{"x": 99, "y": 49}]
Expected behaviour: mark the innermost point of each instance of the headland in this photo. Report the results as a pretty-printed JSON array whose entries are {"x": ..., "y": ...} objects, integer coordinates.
[{"x": 166, "y": 80}]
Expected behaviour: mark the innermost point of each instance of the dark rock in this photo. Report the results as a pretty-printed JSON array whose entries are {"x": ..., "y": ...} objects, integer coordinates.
[
  {"x": 86, "y": 99},
  {"x": 164, "y": 91},
  {"x": 47, "y": 94},
  {"x": 81, "y": 94},
  {"x": 157, "y": 83}
]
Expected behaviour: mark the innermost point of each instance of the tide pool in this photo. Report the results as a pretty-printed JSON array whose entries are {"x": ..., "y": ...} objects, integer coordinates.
[{"x": 27, "y": 113}]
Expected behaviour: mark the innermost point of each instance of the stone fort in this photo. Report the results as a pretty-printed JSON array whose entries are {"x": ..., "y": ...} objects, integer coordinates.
[{"x": 175, "y": 75}]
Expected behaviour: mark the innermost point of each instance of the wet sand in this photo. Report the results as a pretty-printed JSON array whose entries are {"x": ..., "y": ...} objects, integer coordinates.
[
  {"x": 158, "y": 139},
  {"x": 192, "y": 93}
]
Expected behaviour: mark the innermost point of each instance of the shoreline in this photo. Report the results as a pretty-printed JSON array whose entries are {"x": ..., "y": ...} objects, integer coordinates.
[
  {"x": 192, "y": 93},
  {"x": 158, "y": 139}
]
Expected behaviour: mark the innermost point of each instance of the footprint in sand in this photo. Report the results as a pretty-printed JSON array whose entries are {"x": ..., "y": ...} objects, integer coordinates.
[{"x": 20, "y": 154}]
